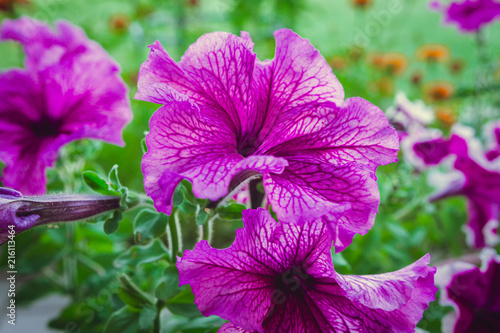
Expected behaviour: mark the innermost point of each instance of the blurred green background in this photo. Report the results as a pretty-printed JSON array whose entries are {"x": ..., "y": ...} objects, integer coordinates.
[{"x": 375, "y": 50}]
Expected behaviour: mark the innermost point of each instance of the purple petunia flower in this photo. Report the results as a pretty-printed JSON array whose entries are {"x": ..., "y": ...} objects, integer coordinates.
[
  {"x": 20, "y": 213},
  {"x": 228, "y": 116},
  {"x": 279, "y": 277},
  {"x": 473, "y": 293},
  {"x": 470, "y": 15},
  {"x": 474, "y": 177},
  {"x": 69, "y": 90}
]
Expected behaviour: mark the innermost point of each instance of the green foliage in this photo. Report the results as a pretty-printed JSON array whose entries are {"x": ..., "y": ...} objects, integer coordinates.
[
  {"x": 142, "y": 254},
  {"x": 183, "y": 304},
  {"x": 149, "y": 225}
]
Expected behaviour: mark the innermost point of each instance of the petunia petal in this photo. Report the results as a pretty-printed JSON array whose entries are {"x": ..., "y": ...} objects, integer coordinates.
[
  {"x": 216, "y": 71},
  {"x": 298, "y": 75},
  {"x": 279, "y": 277},
  {"x": 45, "y": 46},
  {"x": 236, "y": 282},
  {"x": 309, "y": 189},
  {"x": 390, "y": 302},
  {"x": 185, "y": 143},
  {"x": 389, "y": 291},
  {"x": 230, "y": 328},
  {"x": 356, "y": 131}
]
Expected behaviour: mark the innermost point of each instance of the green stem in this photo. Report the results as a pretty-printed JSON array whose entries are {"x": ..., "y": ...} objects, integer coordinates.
[
  {"x": 91, "y": 264},
  {"x": 174, "y": 235},
  {"x": 157, "y": 325}
]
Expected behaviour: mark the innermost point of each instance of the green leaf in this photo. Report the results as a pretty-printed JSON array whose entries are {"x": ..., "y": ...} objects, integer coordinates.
[
  {"x": 141, "y": 254},
  {"x": 77, "y": 314},
  {"x": 188, "y": 208},
  {"x": 147, "y": 317},
  {"x": 201, "y": 216},
  {"x": 112, "y": 224},
  {"x": 132, "y": 295},
  {"x": 33, "y": 260},
  {"x": 124, "y": 199},
  {"x": 113, "y": 177},
  {"x": 131, "y": 199},
  {"x": 97, "y": 183},
  {"x": 176, "y": 324},
  {"x": 125, "y": 320},
  {"x": 178, "y": 197},
  {"x": 149, "y": 225},
  {"x": 231, "y": 211},
  {"x": 183, "y": 304},
  {"x": 169, "y": 284}
]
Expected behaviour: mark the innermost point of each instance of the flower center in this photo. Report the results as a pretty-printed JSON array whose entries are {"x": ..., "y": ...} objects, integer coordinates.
[
  {"x": 288, "y": 285},
  {"x": 292, "y": 281},
  {"x": 46, "y": 127}
]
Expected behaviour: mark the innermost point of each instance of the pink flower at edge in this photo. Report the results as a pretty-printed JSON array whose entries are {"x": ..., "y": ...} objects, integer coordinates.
[
  {"x": 473, "y": 293},
  {"x": 279, "y": 277},
  {"x": 469, "y": 15},
  {"x": 70, "y": 90}
]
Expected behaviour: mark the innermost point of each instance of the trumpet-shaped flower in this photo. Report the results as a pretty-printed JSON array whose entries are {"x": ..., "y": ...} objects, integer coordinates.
[
  {"x": 69, "y": 90},
  {"x": 279, "y": 277},
  {"x": 228, "y": 116}
]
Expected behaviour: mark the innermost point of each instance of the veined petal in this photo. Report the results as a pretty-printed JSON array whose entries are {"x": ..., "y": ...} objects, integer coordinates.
[
  {"x": 298, "y": 75},
  {"x": 161, "y": 80},
  {"x": 355, "y": 131},
  {"x": 185, "y": 142},
  {"x": 181, "y": 140},
  {"x": 389, "y": 291},
  {"x": 279, "y": 277},
  {"x": 236, "y": 282},
  {"x": 215, "y": 72},
  {"x": 230, "y": 328},
  {"x": 309, "y": 189},
  {"x": 360, "y": 311}
]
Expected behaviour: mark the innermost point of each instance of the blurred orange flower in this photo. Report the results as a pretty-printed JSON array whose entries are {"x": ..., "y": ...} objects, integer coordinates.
[
  {"x": 383, "y": 86},
  {"x": 392, "y": 63},
  {"x": 376, "y": 60},
  {"x": 337, "y": 63},
  {"x": 446, "y": 116},
  {"x": 438, "y": 91},
  {"x": 395, "y": 63},
  {"x": 119, "y": 22},
  {"x": 361, "y": 3},
  {"x": 433, "y": 53}
]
